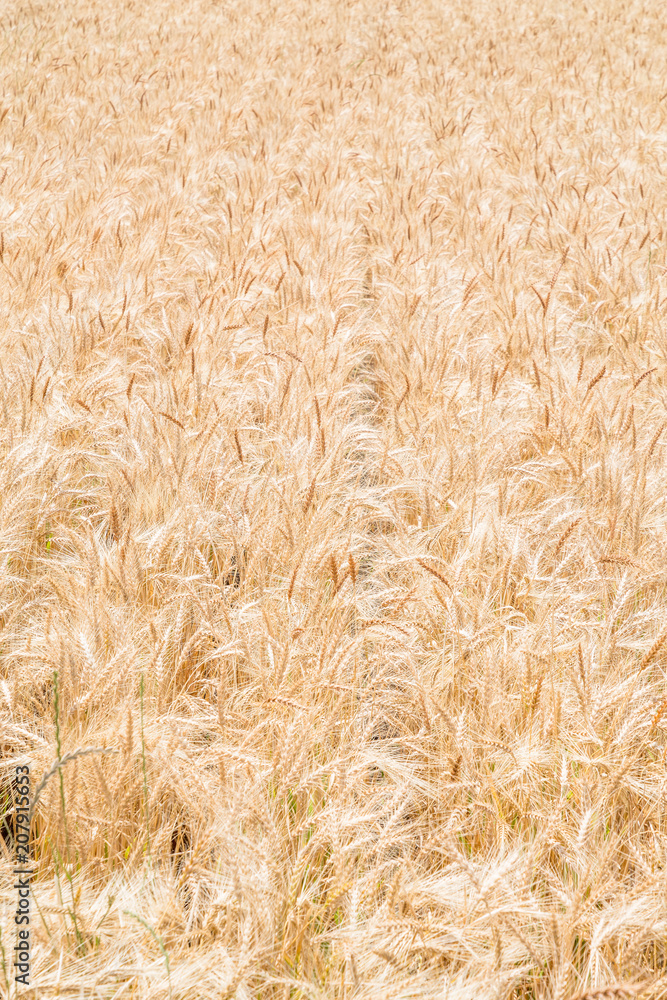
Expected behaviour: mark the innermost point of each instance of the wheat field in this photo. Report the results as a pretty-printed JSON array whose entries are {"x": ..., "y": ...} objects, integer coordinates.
[{"x": 333, "y": 506}]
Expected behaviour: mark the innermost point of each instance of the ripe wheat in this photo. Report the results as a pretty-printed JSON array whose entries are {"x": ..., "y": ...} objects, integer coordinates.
[{"x": 332, "y": 492}]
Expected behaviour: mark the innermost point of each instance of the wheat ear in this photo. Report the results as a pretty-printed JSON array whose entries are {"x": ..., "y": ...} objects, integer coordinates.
[{"x": 60, "y": 762}]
